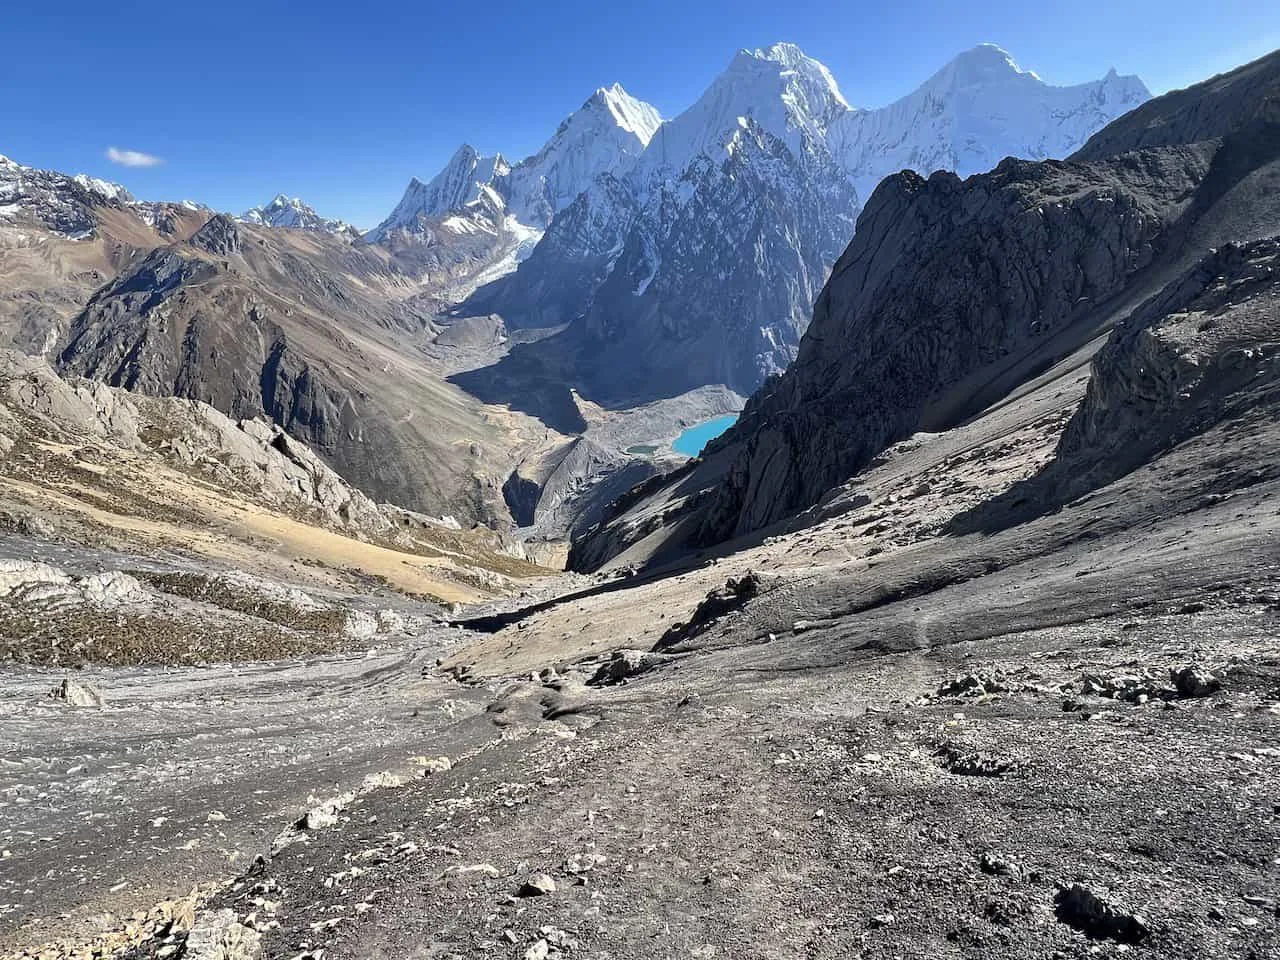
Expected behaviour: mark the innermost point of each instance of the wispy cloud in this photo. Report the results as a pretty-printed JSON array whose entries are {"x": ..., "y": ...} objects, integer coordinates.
[{"x": 132, "y": 158}]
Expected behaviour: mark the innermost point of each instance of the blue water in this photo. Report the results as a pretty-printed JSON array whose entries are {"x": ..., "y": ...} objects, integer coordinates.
[{"x": 693, "y": 440}]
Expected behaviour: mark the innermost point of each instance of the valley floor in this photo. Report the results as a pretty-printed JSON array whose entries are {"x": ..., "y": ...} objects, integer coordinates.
[{"x": 901, "y": 741}]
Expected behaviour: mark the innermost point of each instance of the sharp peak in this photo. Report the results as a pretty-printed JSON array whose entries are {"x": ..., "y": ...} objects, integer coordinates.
[
  {"x": 614, "y": 89},
  {"x": 466, "y": 153},
  {"x": 783, "y": 52}
]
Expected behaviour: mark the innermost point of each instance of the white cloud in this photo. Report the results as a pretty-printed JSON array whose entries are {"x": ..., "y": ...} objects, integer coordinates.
[{"x": 132, "y": 158}]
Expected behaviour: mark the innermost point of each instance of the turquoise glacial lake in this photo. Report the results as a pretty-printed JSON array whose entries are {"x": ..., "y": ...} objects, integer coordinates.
[{"x": 693, "y": 440}]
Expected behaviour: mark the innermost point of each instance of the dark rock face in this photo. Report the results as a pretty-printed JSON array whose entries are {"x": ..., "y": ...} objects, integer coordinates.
[
  {"x": 219, "y": 236},
  {"x": 137, "y": 333},
  {"x": 1206, "y": 349},
  {"x": 944, "y": 278}
]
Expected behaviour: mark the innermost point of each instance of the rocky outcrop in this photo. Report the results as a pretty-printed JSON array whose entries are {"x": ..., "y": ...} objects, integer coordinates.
[
  {"x": 568, "y": 487},
  {"x": 1204, "y": 351},
  {"x": 253, "y": 454},
  {"x": 219, "y": 236}
]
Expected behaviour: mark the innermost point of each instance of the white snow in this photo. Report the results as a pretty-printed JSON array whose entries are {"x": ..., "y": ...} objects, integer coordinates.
[
  {"x": 292, "y": 212},
  {"x": 103, "y": 188},
  {"x": 977, "y": 110},
  {"x": 605, "y": 135}
]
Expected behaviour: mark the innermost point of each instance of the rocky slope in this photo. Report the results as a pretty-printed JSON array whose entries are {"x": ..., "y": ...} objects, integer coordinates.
[
  {"x": 1049, "y": 736},
  {"x": 312, "y": 333},
  {"x": 62, "y": 237},
  {"x": 648, "y": 265},
  {"x": 96, "y": 473},
  {"x": 1204, "y": 351},
  {"x": 953, "y": 293}
]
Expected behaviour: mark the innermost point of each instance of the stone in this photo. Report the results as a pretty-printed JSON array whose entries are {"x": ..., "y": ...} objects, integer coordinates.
[
  {"x": 1193, "y": 681},
  {"x": 537, "y": 885},
  {"x": 325, "y": 815},
  {"x": 581, "y": 863},
  {"x": 77, "y": 694},
  {"x": 1129, "y": 687},
  {"x": 431, "y": 765},
  {"x": 1082, "y": 909},
  {"x": 474, "y": 870},
  {"x": 975, "y": 764},
  {"x": 998, "y": 866},
  {"x": 219, "y": 935},
  {"x": 622, "y": 665},
  {"x": 970, "y": 685}
]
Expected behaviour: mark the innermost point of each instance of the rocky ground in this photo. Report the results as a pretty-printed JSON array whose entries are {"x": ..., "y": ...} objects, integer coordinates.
[{"x": 882, "y": 736}]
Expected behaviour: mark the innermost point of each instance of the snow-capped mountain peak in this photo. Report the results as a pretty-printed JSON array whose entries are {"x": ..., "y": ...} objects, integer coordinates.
[
  {"x": 603, "y": 136},
  {"x": 629, "y": 114},
  {"x": 465, "y": 178},
  {"x": 984, "y": 63},
  {"x": 293, "y": 213},
  {"x": 104, "y": 188},
  {"x": 782, "y": 90},
  {"x": 978, "y": 109}
]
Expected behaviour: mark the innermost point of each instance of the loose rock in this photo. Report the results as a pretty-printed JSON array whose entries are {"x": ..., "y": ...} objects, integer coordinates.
[
  {"x": 1079, "y": 907},
  {"x": 76, "y": 694},
  {"x": 537, "y": 885},
  {"x": 1193, "y": 681},
  {"x": 219, "y": 935}
]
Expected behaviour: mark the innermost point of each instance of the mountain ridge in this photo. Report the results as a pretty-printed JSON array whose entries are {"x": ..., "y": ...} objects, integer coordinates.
[{"x": 639, "y": 254}]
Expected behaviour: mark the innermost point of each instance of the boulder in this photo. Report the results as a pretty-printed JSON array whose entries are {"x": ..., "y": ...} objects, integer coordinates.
[
  {"x": 537, "y": 885},
  {"x": 77, "y": 694},
  {"x": 219, "y": 935},
  {"x": 1193, "y": 681}
]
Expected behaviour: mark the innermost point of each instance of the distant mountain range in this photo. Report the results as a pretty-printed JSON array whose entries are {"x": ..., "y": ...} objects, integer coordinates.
[
  {"x": 629, "y": 259},
  {"x": 697, "y": 258},
  {"x": 292, "y": 212}
]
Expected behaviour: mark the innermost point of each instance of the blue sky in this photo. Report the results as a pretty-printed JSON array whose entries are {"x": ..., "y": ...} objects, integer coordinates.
[{"x": 341, "y": 103}]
